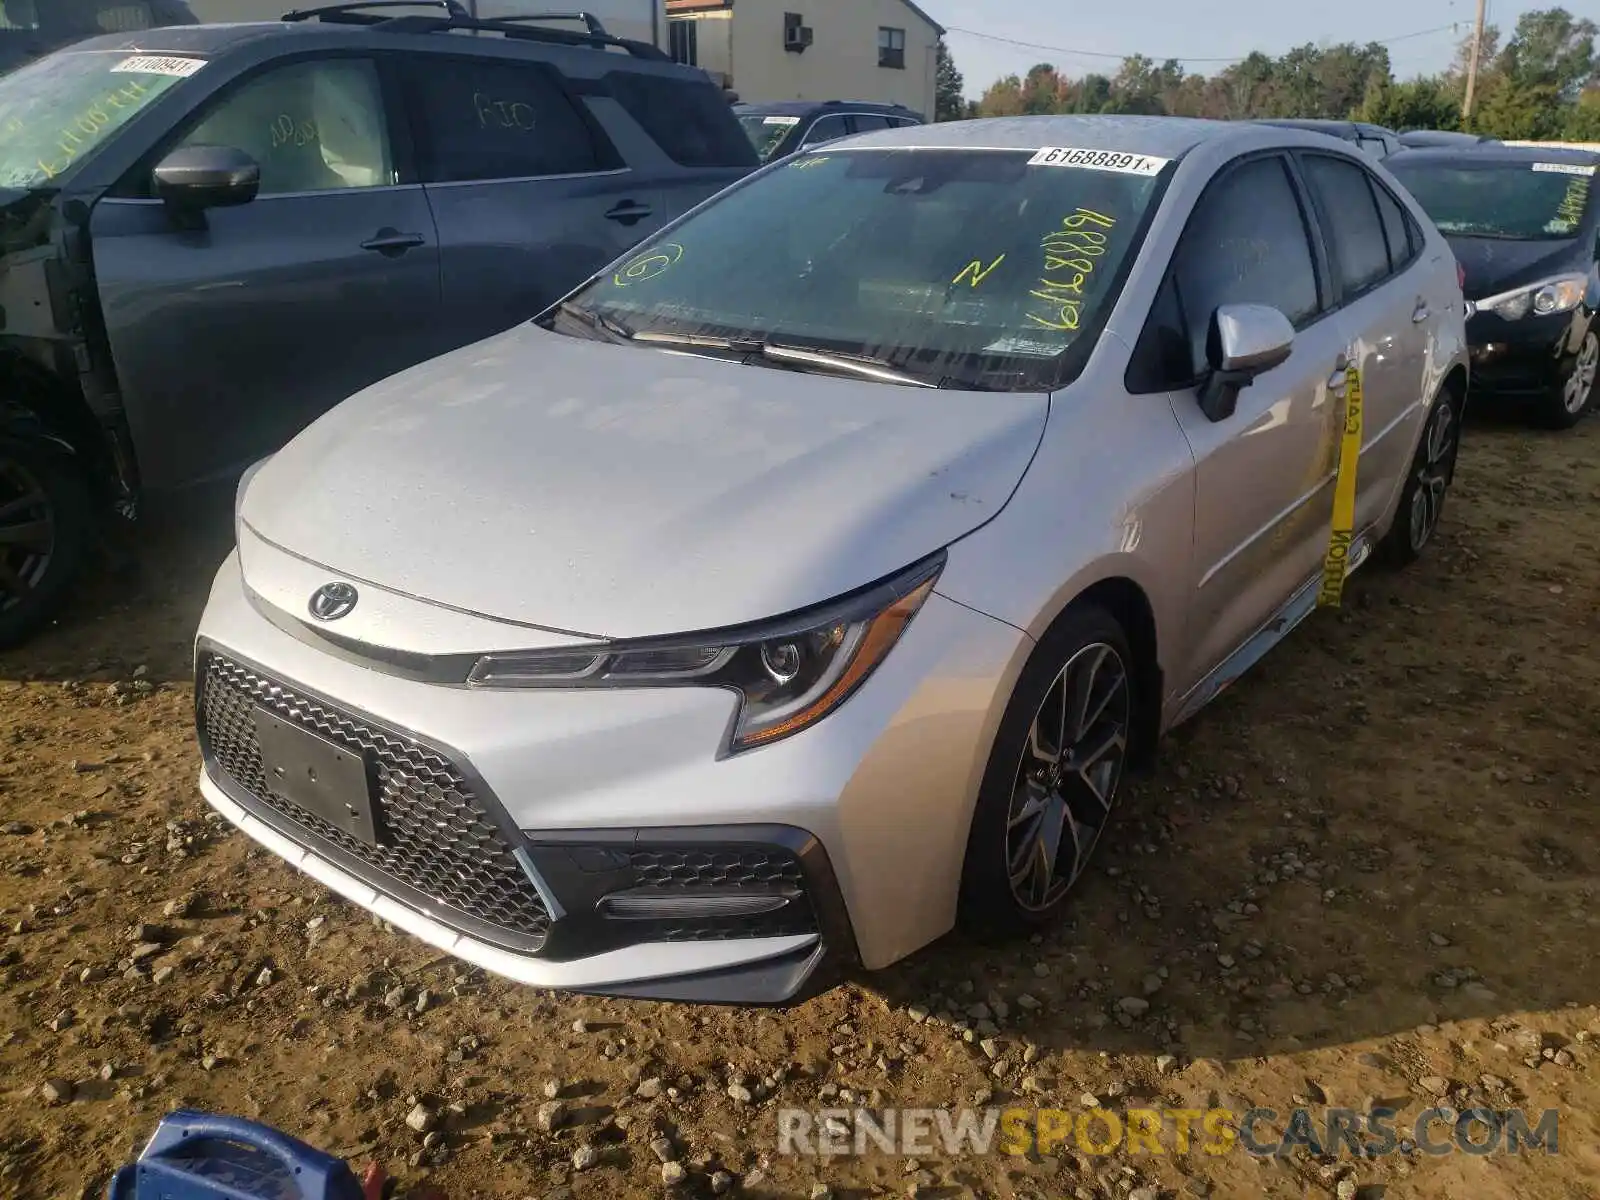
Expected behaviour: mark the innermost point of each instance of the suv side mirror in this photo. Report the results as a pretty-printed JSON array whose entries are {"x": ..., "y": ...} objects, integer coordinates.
[
  {"x": 195, "y": 178},
  {"x": 1245, "y": 340}
]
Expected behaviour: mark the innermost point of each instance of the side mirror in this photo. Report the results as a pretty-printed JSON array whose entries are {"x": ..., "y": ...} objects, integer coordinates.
[
  {"x": 1245, "y": 340},
  {"x": 195, "y": 178}
]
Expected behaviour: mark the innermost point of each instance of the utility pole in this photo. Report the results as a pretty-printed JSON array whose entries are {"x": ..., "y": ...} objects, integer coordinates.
[{"x": 1472, "y": 63}]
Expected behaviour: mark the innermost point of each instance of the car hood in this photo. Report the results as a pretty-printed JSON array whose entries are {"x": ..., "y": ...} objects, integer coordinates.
[
  {"x": 1495, "y": 265},
  {"x": 615, "y": 491}
]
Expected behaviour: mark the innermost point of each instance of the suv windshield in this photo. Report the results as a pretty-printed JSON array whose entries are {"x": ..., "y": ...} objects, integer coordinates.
[
  {"x": 965, "y": 268},
  {"x": 766, "y": 132},
  {"x": 1522, "y": 201},
  {"x": 53, "y": 112}
]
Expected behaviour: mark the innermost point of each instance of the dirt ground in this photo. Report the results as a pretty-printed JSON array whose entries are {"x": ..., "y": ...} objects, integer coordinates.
[{"x": 1366, "y": 877}]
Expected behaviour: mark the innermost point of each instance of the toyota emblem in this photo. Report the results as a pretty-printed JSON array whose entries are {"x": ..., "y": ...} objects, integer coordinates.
[{"x": 332, "y": 601}]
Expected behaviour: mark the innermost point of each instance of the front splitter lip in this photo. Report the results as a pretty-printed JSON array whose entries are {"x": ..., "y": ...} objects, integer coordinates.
[{"x": 754, "y": 971}]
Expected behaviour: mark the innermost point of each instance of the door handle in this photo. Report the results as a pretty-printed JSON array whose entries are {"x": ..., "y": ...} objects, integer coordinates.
[
  {"x": 391, "y": 243},
  {"x": 1337, "y": 380},
  {"x": 629, "y": 212},
  {"x": 1421, "y": 313}
]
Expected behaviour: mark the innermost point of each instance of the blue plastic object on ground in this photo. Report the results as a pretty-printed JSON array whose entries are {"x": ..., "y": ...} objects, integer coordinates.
[{"x": 202, "y": 1156}]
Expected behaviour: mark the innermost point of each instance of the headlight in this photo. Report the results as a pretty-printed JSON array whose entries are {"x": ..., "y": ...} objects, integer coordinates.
[
  {"x": 789, "y": 674},
  {"x": 1559, "y": 295}
]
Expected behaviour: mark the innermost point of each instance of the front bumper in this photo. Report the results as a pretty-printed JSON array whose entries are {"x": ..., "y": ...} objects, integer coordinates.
[
  {"x": 595, "y": 841},
  {"x": 1527, "y": 357}
]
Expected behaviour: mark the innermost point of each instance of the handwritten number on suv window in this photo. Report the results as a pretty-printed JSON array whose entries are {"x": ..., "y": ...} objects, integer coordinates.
[{"x": 502, "y": 114}]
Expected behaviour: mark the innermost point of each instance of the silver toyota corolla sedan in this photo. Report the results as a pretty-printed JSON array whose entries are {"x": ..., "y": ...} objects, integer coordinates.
[{"x": 805, "y": 582}]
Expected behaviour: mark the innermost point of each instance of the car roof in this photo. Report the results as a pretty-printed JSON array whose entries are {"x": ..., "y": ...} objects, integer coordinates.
[
  {"x": 1492, "y": 152},
  {"x": 801, "y": 108},
  {"x": 1317, "y": 123},
  {"x": 1161, "y": 137}
]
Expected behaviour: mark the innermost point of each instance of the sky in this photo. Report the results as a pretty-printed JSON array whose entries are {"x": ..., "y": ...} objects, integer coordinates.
[{"x": 1418, "y": 32}]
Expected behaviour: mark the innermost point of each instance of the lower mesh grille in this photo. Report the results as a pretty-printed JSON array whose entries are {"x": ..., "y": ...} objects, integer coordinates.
[
  {"x": 442, "y": 844},
  {"x": 727, "y": 870}
]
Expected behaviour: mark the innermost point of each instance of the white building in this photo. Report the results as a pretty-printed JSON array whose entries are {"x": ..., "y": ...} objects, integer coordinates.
[{"x": 884, "y": 51}]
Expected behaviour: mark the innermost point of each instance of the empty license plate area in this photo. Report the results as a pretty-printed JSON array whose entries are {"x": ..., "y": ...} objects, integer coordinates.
[{"x": 326, "y": 779}]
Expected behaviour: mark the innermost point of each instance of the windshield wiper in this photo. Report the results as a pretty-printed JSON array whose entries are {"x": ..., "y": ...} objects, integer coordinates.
[
  {"x": 849, "y": 364},
  {"x": 792, "y": 356},
  {"x": 597, "y": 320}
]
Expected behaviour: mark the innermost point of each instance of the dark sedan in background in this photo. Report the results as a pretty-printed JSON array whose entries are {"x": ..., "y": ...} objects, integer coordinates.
[{"x": 1524, "y": 223}]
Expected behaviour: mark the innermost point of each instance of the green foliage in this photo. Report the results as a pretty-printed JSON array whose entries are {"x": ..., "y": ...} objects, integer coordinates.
[
  {"x": 1544, "y": 82},
  {"x": 949, "y": 103}
]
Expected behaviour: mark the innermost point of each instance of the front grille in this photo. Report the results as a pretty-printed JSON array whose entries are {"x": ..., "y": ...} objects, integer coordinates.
[
  {"x": 443, "y": 847},
  {"x": 730, "y": 869}
]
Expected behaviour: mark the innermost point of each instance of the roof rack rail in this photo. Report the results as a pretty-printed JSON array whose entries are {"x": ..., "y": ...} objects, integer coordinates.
[
  {"x": 357, "y": 14},
  {"x": 457, "y": 18},
  {"x": 590, "y": 21}
]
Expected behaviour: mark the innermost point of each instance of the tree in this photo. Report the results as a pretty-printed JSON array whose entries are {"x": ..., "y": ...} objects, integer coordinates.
[
  {"x": 950, "y": 103},
  {"x": 1551, "y": 49},
  {"x": 1543, "y": 83}
]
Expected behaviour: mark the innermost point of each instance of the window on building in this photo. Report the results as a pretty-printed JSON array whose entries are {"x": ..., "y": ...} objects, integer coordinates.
[
  {"x": 891, "y": 47},
  {"x": 683, "y": 42}
]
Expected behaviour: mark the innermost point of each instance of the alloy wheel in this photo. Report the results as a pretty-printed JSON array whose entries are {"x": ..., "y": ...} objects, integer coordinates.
[
  {"x": 1068, "y": 776},
  {"x": 1580, "y": 381},
  {"x": 27, "y": 533},
  {"x": 1433, "y": 473}
]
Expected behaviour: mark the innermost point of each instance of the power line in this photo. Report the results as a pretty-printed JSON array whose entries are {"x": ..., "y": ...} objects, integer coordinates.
[{"x": 990, "y": 37}]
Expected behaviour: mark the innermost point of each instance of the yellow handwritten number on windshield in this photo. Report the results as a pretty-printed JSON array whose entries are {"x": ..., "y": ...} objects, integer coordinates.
[
  {"x": 975, "y": 272},
  {"x": 647, "y": 266}
]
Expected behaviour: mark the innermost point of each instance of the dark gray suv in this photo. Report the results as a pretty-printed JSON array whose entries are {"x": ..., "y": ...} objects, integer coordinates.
[{"x": 213, "y": 233}]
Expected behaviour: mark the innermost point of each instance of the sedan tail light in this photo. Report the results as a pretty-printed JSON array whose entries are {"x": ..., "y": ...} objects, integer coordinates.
[{"x": 1461, "y": 275}]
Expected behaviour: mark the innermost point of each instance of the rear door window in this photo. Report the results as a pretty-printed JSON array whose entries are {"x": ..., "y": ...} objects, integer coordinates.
[
  {"x": 1350, "y": 213},
  {"x": 477, "y": 120},
  {"x": 865, "y": 123},
  {"x": 689, "y": 120},
  {"x": 1397, "y": 229}
]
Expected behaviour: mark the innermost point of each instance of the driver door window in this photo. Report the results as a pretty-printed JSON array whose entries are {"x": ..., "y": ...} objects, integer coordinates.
[
  {"x": 828, "y": 129},
  {"x": 313, "y": 127}
]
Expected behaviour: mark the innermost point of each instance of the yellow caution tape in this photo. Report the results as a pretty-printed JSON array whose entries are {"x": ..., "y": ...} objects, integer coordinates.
[{"x": 1336, "y": 561}]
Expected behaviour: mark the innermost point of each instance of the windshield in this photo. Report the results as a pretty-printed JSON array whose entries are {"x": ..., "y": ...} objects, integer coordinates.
[
  {"x": 766, "y": 132},
  {"x": 964, "y": 268},
  {"x": 1522, "y": 201},
  {"x": 55, "y": 111}
]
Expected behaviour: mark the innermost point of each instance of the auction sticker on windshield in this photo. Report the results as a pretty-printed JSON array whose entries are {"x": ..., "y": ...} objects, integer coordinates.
[
  {"x": 786, "y": 122},
  {"x": 1098, "y": 160},
  {"x": 159, "y": 64},
  {"x": 1564, "y": 168}
]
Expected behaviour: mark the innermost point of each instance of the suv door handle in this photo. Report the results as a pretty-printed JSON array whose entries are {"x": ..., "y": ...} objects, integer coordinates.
[
  {"x": 629, "y": 212},
  {"x": 1421, "y": 313},
  {"x": 1337, "y": 380},
  {"x": 391, "y": 243}
]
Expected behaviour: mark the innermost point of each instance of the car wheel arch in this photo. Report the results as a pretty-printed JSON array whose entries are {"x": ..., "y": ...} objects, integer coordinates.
[
  {"x": 1128, "y": 602},
  {"x": 36, "y": 406}
]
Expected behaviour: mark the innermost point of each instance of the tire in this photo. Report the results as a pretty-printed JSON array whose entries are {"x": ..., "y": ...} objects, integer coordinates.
[
  {"x": 1428, "y": 479},
  {"x": 1567, "y": 403},
  {"x": 1075, "y": 805},
  {"x": 46, "y": 530}
]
